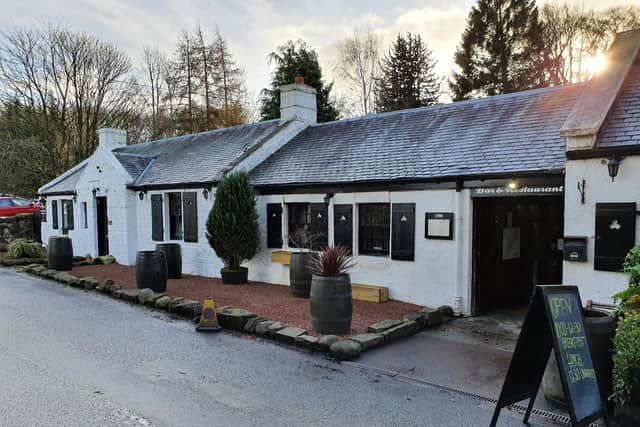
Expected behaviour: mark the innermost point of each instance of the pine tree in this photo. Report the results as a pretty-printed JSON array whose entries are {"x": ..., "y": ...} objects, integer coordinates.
[
  {"x": 296, "y": 59},
  {"x": 502, "y": 50},
  {"x": 408, "y": 79}
]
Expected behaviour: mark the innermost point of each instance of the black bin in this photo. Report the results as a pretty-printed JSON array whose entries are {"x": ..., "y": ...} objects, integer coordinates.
[
  {"x": 173, "y": 254},
  {"x": 151, "y": 270},
  {"x": 60, "y": 253}
]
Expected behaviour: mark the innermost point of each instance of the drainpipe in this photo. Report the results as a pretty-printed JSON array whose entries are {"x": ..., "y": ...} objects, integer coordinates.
[{"x": 459, "y": 236}]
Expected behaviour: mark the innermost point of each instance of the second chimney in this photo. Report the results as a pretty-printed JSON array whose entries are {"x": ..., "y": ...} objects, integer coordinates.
[
  {"x": 298, "y": 102},
  {"x": 111, "y": 138}
]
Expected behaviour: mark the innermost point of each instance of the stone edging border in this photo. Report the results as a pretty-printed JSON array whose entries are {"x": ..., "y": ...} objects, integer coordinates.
[{"x": 246, "y": 322}]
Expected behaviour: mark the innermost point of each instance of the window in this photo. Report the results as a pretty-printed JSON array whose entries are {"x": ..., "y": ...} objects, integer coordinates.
[
  {"x": 22, "y": 202},
  {"x": 157, "y": 228},
  {"x": 175, "y": 216},
  {"x": 190, "y": 209},
  {"x": 84, "y": 215},
  {"x": 403, "y": 235},
  {"x": 374, "y": 228},
  {"x": 6, "y": 203},
  {"x": 343, "y": 226},
  {"x": 54, "y": 214},
  {"x": 310, "y": 217},
  {"x": 274, "y": 225},
  {"x": 67, "y": 215}
]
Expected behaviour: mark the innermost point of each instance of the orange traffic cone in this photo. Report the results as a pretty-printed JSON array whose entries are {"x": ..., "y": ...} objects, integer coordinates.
[{"x": 208, "y": 318}]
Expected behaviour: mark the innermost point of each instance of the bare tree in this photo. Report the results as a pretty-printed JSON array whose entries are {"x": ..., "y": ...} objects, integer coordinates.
[
  {"x": 229, "y": 81},
  {"x": 188, "y": 69},
  {"x": 155, "y": 64},
  {"x": 357, "y": 64}
]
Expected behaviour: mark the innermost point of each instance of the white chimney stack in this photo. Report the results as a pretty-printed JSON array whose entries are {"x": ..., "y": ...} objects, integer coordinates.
[
  {"x": 110, "y": 139},
  {"x": 298, "y": 102}
]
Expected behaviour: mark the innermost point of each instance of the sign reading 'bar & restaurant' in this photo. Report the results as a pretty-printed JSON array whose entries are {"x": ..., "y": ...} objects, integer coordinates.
[{"x": 549, "y": 190}]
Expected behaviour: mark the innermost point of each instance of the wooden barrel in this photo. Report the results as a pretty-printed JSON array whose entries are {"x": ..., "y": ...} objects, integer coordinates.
[
  {"x": 60, "y": 253},
  {"x": 173, "y": 254},
  {"x": 331, "y": 304},
  {"x": 151, "y": 270},
  {"x": 299, "y": 275}
]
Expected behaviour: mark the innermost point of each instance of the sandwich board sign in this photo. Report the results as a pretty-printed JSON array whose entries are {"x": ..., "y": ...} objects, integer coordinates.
[{"x": 554, "y": 320}]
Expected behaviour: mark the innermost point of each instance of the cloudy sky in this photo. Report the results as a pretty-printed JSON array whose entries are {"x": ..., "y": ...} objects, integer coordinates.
[{"x": 254, "y": 28}]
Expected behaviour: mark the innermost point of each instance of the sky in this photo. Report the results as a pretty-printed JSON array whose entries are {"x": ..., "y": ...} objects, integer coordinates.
[{"x": 255, "y": 28}]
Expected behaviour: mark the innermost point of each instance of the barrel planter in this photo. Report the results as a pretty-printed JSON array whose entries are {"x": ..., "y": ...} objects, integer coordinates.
[
  {"x": 600, "y": 327},
  {"x": 173, "y": 254},
  {"x": 151, "y": 270},
  {"x": 299, "y": 275},
  {"x": 60, "y": 253},
  {"x": 234, "y": 277},
  {"x": 331, "y": 304}
]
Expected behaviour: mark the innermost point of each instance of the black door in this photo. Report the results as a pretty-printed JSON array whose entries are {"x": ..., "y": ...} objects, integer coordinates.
[
  {"x": 102, "y": 222},
  {"x": 515, "y": 248}
]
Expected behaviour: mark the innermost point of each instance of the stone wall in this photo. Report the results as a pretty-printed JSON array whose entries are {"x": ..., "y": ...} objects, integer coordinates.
[{"x": 26, "y": 226}]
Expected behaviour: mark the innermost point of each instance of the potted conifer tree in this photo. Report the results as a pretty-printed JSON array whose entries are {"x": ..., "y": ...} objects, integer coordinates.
[
  {"x": 331, "y": 301},
  {"x": 232, "y": 226}
]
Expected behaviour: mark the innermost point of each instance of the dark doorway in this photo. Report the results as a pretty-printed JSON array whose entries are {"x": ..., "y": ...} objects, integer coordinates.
[
  {"x": 102, "y": 223},
  {"x": 515, "y": 247}
]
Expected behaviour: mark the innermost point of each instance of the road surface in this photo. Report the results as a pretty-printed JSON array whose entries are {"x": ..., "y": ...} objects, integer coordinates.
[{"x": 76, "y": 358}]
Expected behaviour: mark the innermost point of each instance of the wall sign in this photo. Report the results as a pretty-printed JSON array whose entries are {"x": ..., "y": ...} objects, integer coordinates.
[
  {"x": 554, "y": 320},
  {"x": 527, "y": 190},
  {"x": 438, "y": 225}
]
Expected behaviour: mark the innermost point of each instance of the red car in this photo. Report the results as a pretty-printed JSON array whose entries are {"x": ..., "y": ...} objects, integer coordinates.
[{"x": 12, "y": 206}]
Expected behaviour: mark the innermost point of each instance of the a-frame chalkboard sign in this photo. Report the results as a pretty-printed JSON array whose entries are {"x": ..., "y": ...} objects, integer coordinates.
[{"x": 554, "y": 320}]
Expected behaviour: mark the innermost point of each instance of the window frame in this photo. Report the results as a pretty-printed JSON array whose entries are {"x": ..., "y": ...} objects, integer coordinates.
[
  {"x": 365, "y": 227},
  {"x": 66, "y": 224},
  {"x": 55, "y": 225}
]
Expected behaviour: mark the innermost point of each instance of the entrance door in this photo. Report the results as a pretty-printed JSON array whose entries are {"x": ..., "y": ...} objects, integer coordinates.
[
  {"x": 102, "y": 223},
  {"x": 515, "y": 248}
]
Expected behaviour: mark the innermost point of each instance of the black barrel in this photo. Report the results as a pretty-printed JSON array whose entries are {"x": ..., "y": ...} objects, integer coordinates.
[
  {"x": 60, "y": 253},
  {"x": 299, "y": 275},
  {"x": 151, "y": 270},
  {"x": 173, "y": 254},
  {"x": 331, "y": 304}
]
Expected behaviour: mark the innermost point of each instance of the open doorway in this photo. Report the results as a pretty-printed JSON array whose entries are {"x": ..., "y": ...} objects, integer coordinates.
[
  {"x": 102, "y": 225},
  {"x": 515, "y": 247}
]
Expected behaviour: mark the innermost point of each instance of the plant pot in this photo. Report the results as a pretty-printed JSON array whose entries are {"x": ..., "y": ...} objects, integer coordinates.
[
  {"x": 600, "y": 328},
  {"x": 299, "y": 275},
  {"x": 331, "y": 304},
  {"x": 234, "y": 277}
]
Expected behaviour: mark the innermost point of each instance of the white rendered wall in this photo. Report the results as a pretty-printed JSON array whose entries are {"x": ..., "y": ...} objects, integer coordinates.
[{"x": 580, "y": 220}]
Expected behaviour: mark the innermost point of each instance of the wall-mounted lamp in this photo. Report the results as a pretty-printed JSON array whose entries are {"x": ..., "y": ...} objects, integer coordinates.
[
  {"x": 141, "y": 195},
  {"x": 513, "y": 185},
  {"x": 75, "y": 198},
  {"x": 613, "y": 164},
  {"x": 581, "y": 185},
  {"x": 95, "y": 190},
  {"x": 327, "y": 198},
  {"x": 205, "y": 193}
]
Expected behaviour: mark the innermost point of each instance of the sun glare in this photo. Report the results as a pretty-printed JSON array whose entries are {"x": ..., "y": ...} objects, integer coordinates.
[{"x": 594, "y": 64}]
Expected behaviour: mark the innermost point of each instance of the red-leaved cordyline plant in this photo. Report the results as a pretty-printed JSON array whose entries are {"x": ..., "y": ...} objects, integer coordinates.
[{"x": 331, "y": 261}]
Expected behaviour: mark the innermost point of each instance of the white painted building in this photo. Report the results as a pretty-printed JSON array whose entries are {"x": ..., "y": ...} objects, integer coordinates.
[{"x": 464, "y": 204}]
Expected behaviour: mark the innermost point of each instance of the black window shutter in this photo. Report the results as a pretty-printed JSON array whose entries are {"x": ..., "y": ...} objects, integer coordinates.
[
  {"x": 274, "y": 225},
  {"x": 54, "y": 214},
  {"x": 615, "y": 234},
  {"x": 403, "y": 231},
  {"x": 319, "y": 225},
  {"x": 343, "y": 226},
  {"x": 157, "y": 226},
  {"x": 190, "y": 216}
]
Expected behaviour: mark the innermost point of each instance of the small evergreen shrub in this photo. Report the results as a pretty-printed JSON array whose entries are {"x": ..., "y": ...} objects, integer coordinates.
[
  {"x": 232, "y": 226},
  {"x": 626, "y": 360},
  {"x": 23, "y": 248},
  {"x": 632, "y": 269}
]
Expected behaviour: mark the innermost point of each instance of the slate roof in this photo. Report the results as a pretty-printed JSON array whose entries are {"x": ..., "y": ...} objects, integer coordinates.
[
  {"x": 134, "y": 164},
  {"x": 512, "y": 133},
  {"x": 197, "y": 158},
  {"x": 622, "y": 127},
  {"x": 65, "y": 186}
]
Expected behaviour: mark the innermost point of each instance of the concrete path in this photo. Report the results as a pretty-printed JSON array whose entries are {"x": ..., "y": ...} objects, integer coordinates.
[{"x": 70, "y": 357}]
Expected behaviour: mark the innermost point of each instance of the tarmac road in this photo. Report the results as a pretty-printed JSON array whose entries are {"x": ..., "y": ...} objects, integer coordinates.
[{"x": 70, "y": 357}]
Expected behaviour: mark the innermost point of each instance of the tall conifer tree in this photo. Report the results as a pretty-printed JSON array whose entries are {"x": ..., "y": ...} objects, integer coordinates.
[
  {"x": 296, "y": 59},
  {"x": 408, "y": 79},
  {"x": 502, "y": 50}
]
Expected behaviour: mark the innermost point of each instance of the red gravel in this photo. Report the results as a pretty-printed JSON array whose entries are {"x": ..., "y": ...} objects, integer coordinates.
[{"x": 267, "y": 300}]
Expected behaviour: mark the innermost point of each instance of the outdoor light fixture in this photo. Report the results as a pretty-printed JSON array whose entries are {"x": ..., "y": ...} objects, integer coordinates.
[
  {"x": 327, "y": 198},
  {"x": 95, "y": 190},
  {"x": 141, "y": 195},
  {"x": 75, "y": 198},
  {"x": 205, "y": 193},
  {"x": 512, "y": 185},
  {"x": 613, "y": 164}
]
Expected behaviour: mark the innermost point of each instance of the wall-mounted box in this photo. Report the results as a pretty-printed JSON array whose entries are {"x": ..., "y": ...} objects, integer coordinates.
[
  {"x": 575, "y": 249},
  {"x": 438, "y": 225}
]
